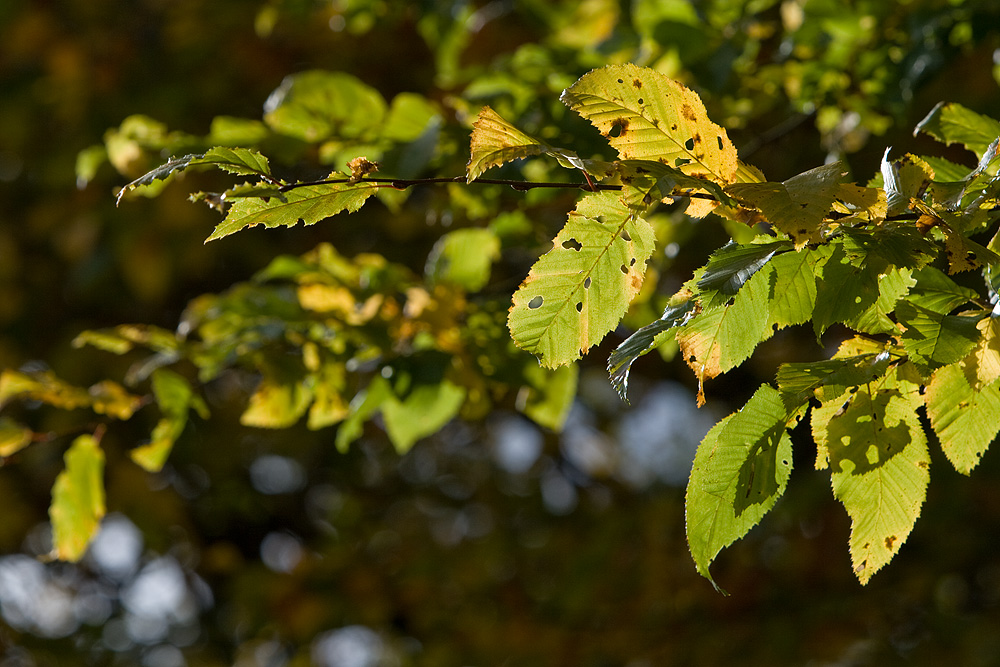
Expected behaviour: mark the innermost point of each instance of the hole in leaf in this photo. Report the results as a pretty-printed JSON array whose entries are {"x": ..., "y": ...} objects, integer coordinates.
[
  {"x": 625, "y": 235},
  {"x": 586, "y": 283},
  {"x": 620, "y": 81},
  {"x": 720, "y": 143},
  {"x": 536, "y": 302},
  {"x": 681, "y": 161},
  {"x": 640, "y": 101},
  {"x": 624, "y": 269},
  {"x": 573, "y": 244},
  {"x": 689, "y": 144},
  {"x": 638, "y": 84},
  {"x": 632, "y": 263},
  {"x": 579, "y": 306},
  {"x": 618, "y": 127}
]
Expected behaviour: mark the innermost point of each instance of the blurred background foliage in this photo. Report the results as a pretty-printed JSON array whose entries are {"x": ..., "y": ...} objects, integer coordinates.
[{"x": 493, "y": 541}]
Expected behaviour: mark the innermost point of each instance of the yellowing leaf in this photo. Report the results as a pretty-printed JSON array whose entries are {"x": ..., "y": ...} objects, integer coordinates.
[
  {"x": 78, "y": 499},
  {"x": 495, "y": 141},
  {"x": 648, "y": 116},
  {"x": 982, "y": 366},
  {"x": 965, "y": 420},
  {"x": 174, "y": 398},
  {"x": 277, "y": 403},
  {"x": 578, "y": 291},
  {"x": 13, "y": 437},
  {"x": 879, "y": 460}
]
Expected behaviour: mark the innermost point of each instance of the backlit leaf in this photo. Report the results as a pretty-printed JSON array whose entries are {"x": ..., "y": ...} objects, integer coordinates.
[
  {"x": 78, "y": 499},
  {"x": 879, "y": 460},
  {"x": 647, "y": 116},
  {"x": 740, "y": 470},
  {"x": 982, "y": 366},
  {"x": 549, "y": 394},
  {"x": 793, "y": 291},
  {"x": 463, "y": 258},
  {"x": 578, "y": 291},
  {"x": 731, "y": 266},
  {"x": 955, "y": 124},
  {"x": 716, "y": 340},
  {"x": 966, "y": 421},
  {"x": 175, "y": 398},
  {"x": 423, "y": 411},
  {"x": 495, "y": 141},
  {"x": 308, "y": 204},
  {"x": 932, "y": 339},
  {"x": 315, "y": 105},
  {"x": 13, "y": 437}
]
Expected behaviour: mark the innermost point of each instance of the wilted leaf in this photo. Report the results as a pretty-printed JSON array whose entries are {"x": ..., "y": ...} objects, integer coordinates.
[{"x": 78, "y": 499}]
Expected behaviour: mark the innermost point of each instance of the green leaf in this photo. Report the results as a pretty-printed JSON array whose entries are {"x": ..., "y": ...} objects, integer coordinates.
[
  {"x": 793, "y": 292},
  {"x": 827, "y": 380},
  {"x": 158, "y": 174},
  {"x": 174, "y": 397},
  {"x": 966, "y": 421},
  {"x": 423, "y": 411},
  {"x": 731, "y": 266},
  {"x": 240, "y": 161},
  {"x": 233, "y": 131},
  {"x": 366, "y": 403},
  {"x": 879, "y": 460},
  {"x": 892, "y": 286},
  {"x": 645, "y": 339},
  {"x": 578, "y": 291},
  {"x": 548, "y": 396},
  {"x": 740, "y": 470},
  {"x": 719, "y": 339},
  {"x": 463, "y": 258},
  {"x": 309, "y": 204},
  {"x": 844, "y": 289},
  {"x": 934, "y": 290},
  {"x": 647, "y": 181},
  {"x": 903, "y": 180},
  {"x": 106, "y": 397},
  {"x": 955, "y": 124},
  {"x": 316, "y": 105},
  {"x": 78, "y": 499},
  {"x": 932, "y": 339},
  {"x": 647, "y": 116}
]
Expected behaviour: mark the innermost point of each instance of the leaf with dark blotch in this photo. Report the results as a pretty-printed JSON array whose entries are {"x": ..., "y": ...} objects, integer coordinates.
[{"x": 644, "y": 340}]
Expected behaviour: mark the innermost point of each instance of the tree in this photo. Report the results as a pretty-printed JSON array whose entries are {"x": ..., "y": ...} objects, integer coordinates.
[{"x": 335, "y": 335}]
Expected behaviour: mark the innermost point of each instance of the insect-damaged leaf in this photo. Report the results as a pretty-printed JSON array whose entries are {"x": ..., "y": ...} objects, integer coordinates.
[
  {"x": 578, "y": 291},
  {"x": 648, "y": 116},
  {"x": 877, "y": 451},
  {"x": 78, "y": 499},
  {"x": 740, "y": 470},
  {"x": 309, "y": 203}
]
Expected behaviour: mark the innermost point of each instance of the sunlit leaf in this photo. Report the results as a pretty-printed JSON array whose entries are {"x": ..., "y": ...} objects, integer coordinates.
[
  {"x": 578, "y": 291},
  {"x": 936, "y": 291},
  {"x": 719, "y": 339},
  {"x": 932, "y": 339},
  {"x": 731, "y": 266},
  {"x": 955, "y": 124},
  {"x": 78, "y": 499},
  {"x": 423, "y": 411},
  {"x": 495, "y": 141},
  {"x": 827, "y": 380},
  {"x": 463, "y": 258},
  {"x": 879, "y": 460},
  {"x": 279, "y": 401},
  {"x": 106, "y": 397},
  {"x": 793, "y": 292},
  {"x": 13, "y": 437},
  {"x": 315, "y": 105},
  {"x": 740, "y": 470},
  {"x": 647, "y": 116},
  {"x": 160, "y": 173},
  {"x": 982, "y": 366},
  {"x": 308, "y": 204},
  {"x": 966, "y": 421}
]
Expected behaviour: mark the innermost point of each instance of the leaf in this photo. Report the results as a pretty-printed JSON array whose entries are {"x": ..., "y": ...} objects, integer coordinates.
[
  {"x": 966, "y": 421},
  {"x": 366, "y": 403},
  {"x": 740, "y": 470},
  {"x": 731, "y": 266},
  {"x": 13, "y": 437},
  {"x": 158, "y": 174},
  {"x": 647, "y": 116},
  {"x": 78, "y": 499},
  {"x": 423, "y": 411},
  {"x": 844, "y": 288},
  {"x": 108, "y": 398},
  {"x": 716, "y": 340},
  {"x": 904, "y": 180},
  {"x": 279, "y": 402},
  {"x": 578, "y": 291},
  {"x": 548, "y": 395},
  {"x": 647, "y": 181},
  {"x": 798, "y": 206},
  {"x": 316, "y": 105},
  {"x": 463, "y": 258},
  {"x": 828, "y": 380},
  {"x": 982, "y": 366},
  {"x": 793, "y": 292},
  {"x": 240, "y": 161},
  {"x": 892, "y": 286},
  {"x": 955, "y": 124},
  {"x": 879, "y": 460},
  {"x": 495, "y": 141},
  {"x": 932, "y": 339},
  {"x": 936, "y": 291},
  {"x": 174, "y": 397},
  {"x": 645, "y": 339},
  {"x": 308, "y": 204}
]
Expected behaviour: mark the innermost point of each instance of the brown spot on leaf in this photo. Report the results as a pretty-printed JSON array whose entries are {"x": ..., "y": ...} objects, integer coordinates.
[
  {"x": 637, "y": 83},
  {"x": 618, "y": 127},
  {"x": 688, "y": 112},
  {"x": 889, "y": 541}
]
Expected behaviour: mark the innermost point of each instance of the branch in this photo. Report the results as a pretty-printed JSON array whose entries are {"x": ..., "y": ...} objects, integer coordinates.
[{"x": 403, "y": 183}]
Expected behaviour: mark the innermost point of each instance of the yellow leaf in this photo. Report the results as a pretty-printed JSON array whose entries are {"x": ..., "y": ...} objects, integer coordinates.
[
  {"x": 78, "y": 499},
  {"x": 495, "y": 141}
]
